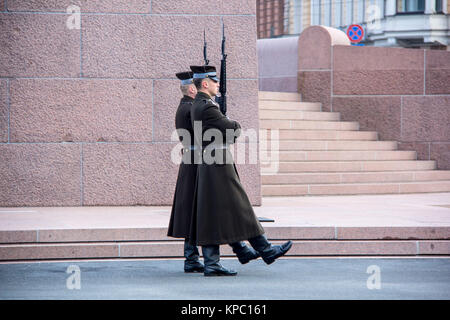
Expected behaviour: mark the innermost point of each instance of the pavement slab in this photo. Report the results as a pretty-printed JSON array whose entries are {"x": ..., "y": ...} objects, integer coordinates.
[{"x": 286, "y": 279}]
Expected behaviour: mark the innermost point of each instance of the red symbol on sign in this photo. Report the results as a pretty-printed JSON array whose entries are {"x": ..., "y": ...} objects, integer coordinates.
[{"x": 355, "y": 33}]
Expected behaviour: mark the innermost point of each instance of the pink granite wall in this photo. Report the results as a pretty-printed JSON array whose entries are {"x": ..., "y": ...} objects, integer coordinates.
[
  {"x": 404, "y": 94},
  {"x": 86, "y": 115},
  {"x": 277, "y": 64}
]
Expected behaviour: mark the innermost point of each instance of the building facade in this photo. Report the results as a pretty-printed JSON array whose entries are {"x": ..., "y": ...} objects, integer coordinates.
[
  {"x": 389, "y": 23},
  {"x": 270, "y": 18}
]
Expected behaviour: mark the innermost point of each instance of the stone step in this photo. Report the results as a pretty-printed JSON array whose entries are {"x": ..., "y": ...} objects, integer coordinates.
[
  {"x": 355, "y": 188},
  {"x": 297, "y": 134},
  {"x": 341, "y": 155},
  {"x": 279, "y": 96},
  {"x": 158, "y": 234},
  {"x": 298, "y": 115},
  {"x": 309, "y": 125},
  {"x": 369, "y": 248},
  {"x": 289, "y": 105},
  {"x": 151, "y": 242},
  {"x": 90, "y": 234},
  {"x": 174, "y": 249},
  {"x": 326, "y": 145},
  {"x": 355, "y": 177},
  {"x": 351, "y": 166}
]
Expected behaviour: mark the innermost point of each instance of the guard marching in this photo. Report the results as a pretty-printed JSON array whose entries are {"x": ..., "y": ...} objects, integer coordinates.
[
  {"x": 222, "y": 213},
  {"x": 179, "y": 224}
]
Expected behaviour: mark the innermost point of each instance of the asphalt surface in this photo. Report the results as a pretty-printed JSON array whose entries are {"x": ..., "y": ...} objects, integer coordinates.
[{"x": 286, "y": 279}]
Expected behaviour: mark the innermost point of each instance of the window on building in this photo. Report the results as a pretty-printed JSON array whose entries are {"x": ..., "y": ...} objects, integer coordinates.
[
  {"x": 410, "y": 6},
  {"x": 270, "y": 18},
  {"x": 439, "y": 8}
]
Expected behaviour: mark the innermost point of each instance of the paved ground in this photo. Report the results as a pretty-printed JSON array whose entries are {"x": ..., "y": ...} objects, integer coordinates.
[
  {"x": 306, "y": 278},
  {"x": 427, "y": 209}
]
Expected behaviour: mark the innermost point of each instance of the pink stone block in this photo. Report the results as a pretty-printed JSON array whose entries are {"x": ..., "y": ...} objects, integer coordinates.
[
  {"x": 287, "y": 84},
  {"x": 40, "y": 174},
  {"x": 38, "y": 45},
  {"x": 271, "y": 51},
  {"x": 238, "y": 7},
  {"x": 353, "y": 189},
  {"x": 166, "y": 99},
  {"x": 314, "y": 47},
  {"x": 142, "y": 46},
  {"x": 81, "y": 110},
  {"x": 297, "y": 233},
  {"x": 100, "y": 235},
  {"x": 4, "y": 110},
  {"x": 2, "y": 5},
  {"x": 128, "y": 174},
  {"x": 392, "y": 233},
  {"x": 204, "y": 7},
  {"x": 381, "y": 114},
  {"x": 440, "y": 151},
  {"x": 376, "y": 70},
  {"x": 378, "y": 82},
  {"x": 160, "y": 46},
  {"x": 353, "y": 58},
  {"x": 141, "y": 250},
  {"x": 437, "y": 71},
  {"x": 434, "y": 247},
  {"x": 315, "y": 86},
  {"x": 18, "y": 236},
  {"x": 422, "y": 149},
  {"x": 64, "y": 251},
  {"x": 187, "y": 7},
  {"x": 426, "y": 118},
  {"x": 240, "y": 47},
  {"x": 314, "y": 248},
  {"x": 109, "y": 6}
]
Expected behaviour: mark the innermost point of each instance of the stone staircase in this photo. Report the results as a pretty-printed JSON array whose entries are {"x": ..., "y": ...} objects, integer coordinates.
[
  {"x": 144, "y": 243},
  {"x": 317, "y": 154}
]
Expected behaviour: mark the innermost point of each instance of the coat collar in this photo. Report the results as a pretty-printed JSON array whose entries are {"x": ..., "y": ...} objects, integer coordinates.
[
  {"x": 187, "y": 99},
  {"x": 202, "y": 95}
]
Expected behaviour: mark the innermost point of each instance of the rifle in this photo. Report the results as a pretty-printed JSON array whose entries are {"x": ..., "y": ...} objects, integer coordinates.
[
  {"x": 204, "y": 49},
  {"x": 222, "y": 100}
]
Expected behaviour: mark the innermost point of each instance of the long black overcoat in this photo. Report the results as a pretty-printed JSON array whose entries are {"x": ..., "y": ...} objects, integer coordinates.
[
  {"x": 222, "y": 212},
  {"x": 180, "y": 218}
]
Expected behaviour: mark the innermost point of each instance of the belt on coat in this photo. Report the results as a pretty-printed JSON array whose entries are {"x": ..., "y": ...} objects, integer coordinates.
[
  {"x": 215, "y": 147},
  {"x": 190, "y": 148}
]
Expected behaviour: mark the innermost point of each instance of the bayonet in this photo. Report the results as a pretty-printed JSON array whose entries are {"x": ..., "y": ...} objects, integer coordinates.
[
  {"x": 222, "y": 100},
  {"x": 205, "y": 54}
]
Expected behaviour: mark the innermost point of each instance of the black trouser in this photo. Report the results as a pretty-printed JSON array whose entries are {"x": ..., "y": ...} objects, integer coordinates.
[{"x": 191, "y": 254}]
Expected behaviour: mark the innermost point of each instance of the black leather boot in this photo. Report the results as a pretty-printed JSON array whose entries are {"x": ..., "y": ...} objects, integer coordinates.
[
  {"x": 244, "y": 253},
  {"x": 192, "y": 263},
  {"x": 213, "y": 268},
  {"x": 269, "y": 253}
]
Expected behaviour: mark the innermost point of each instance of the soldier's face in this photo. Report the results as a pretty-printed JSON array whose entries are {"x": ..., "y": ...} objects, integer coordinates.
[
  {"x": 192, "y": 90},
  {"x": 213, "y": 87}
]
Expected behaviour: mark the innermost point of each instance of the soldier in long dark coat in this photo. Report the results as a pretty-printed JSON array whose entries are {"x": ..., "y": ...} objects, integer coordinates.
[
  {"x": 179, "y": 224},
  {"x": 222, "y": 213},
  {"x": 180, "y": 218}
]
